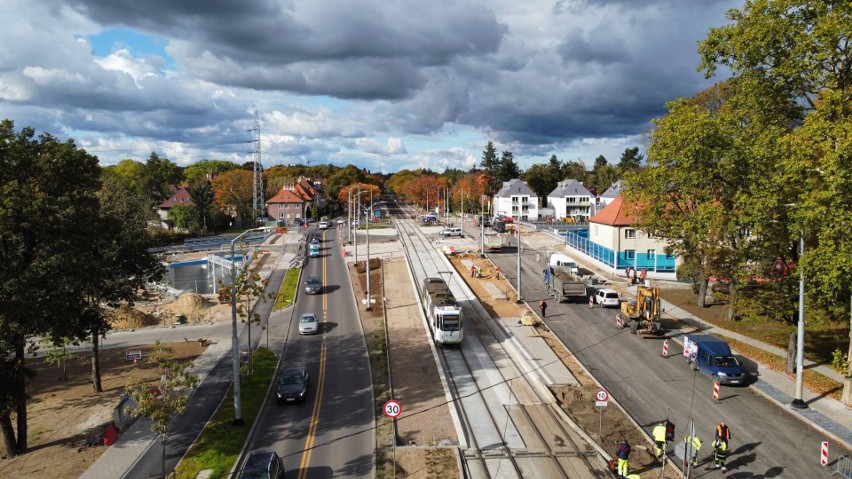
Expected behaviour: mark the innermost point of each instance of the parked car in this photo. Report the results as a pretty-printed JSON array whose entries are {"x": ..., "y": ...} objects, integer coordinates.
[
  {"x": 323, "y": 225},
  {"x": 607, "y": 297},
  {"x": 308, "y": 324},
  {"x": 313, "y": 285},
  {"x": 292, "y": 385},
  {"x": 262, "y": 465},
  {"x": 451, "y": 232}
]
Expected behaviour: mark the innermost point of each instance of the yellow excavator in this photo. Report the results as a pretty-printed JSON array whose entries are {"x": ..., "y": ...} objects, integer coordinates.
[{"x": 642, "y": 314}]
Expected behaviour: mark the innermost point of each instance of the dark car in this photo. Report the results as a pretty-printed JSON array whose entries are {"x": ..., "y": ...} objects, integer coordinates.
[
  {"x": 313, "y": 285},
  {"x": 292, "y": 385},
  {"x": 262, "y": 465}
]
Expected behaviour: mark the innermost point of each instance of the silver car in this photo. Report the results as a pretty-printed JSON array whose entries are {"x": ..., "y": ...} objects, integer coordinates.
[{"x": 308, "y": 324}]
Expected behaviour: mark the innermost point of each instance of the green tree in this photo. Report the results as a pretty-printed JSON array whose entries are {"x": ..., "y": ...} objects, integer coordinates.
[
  {"x": 47, "y": 202},
  {"x": 184, "y": 218},
  {"x": 630, "y": 160},
  {"x": 507, "y": 169},
  {"x": 538, "y": 178},
  {"x": 203, "y": 201},
  {"x": 206, "y": 170},
  {"x": 160, "y": 402},
  {"x": 57, "y": 354},
  {"x": 159, "y": 176}
]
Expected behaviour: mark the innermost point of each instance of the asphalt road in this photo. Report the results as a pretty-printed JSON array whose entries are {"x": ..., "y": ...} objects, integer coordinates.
[
  {"x": 766, "y": 441},
  {"x": 332, "y": 433}
]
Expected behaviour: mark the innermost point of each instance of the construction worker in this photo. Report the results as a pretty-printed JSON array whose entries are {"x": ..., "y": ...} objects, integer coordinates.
[
  {"x": 720, "y": 453},
  {"x": 722, "y": 432},
  {"x": 659, "y": 435},
  {"x": 622, "y": 453},
  {"x": 543, "y": 307},
  {"x": 696, "y": 446}
]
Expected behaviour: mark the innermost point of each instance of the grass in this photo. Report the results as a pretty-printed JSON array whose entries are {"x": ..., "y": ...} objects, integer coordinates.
[
  {"x": 220, "y": 443},
  {"x": 287, "y": 293}
]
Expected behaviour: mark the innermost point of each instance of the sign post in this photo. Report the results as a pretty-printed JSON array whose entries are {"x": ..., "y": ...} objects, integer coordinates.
[
  {"x": 393, "y": 409},
  {"x": 601, "y": 398}
]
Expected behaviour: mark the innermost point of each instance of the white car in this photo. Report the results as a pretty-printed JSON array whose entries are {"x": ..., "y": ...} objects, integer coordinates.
[
  {"x": 323, "y": 225},
  {"x": 308, "y": 324},
  {"x": 607, "y": 297},
  {"x": 451, "y": 232}
]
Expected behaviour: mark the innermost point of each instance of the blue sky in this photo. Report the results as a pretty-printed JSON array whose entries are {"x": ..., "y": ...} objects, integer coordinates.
[{"x": 381, "y": 85}]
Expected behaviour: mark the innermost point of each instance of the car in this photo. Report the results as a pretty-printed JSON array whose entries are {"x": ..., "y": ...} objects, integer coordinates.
[
  {"x": 262, "y": 465},
  {"x": 607, "y": 297},
  {"x": 341, "y": 221},
  {"x": 313, "y": 285},
  {"x": 308, "y": 324},
  {"x": 323, "y": 225},
  {"x": 292, "y": 385},
  {"x": 451, "y": 232}
]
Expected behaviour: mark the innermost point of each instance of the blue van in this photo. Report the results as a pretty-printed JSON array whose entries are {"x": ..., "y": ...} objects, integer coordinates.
[{"x": 713, "y": 357}]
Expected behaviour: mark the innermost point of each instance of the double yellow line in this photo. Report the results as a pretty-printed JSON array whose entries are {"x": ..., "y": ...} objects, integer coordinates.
[{"x": 320, "y": 382}]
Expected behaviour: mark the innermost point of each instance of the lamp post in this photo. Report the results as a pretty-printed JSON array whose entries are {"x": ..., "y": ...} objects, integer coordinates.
[
  {"x": 368, "y": 212},
  {"x": 482, "y": 225},
  {"x": 520, "y": 299},
  {"x": 235, "y": 340},
  {"x": 798, "y": 402}
]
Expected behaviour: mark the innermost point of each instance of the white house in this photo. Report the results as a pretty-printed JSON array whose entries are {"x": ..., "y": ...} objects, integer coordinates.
[
  {"x": 515, "y": 199},
  {"x": 570, "y": 199},
  {"x": 608, "y": 196}
]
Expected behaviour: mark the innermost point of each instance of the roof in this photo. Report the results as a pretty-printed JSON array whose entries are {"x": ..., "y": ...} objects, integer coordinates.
[
  {"x": 569, "y": 187},
  {"x": 285, "y": 196},
  {"x": 616, "y": 189},
  {"x": 514, "y": 187},
  {"x": 615, "y": 214},
  {"x": 180, "y": 197}
]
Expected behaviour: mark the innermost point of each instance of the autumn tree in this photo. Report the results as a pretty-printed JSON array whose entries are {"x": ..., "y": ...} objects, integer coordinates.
[
  {"x": 234, "y": 193},
  {"x": 206, "y": 170}
]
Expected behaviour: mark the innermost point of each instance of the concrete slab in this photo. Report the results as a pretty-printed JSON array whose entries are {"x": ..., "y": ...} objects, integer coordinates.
[
  {"x": 494, "y": 291},
  {"x": 538, "y": 352}
]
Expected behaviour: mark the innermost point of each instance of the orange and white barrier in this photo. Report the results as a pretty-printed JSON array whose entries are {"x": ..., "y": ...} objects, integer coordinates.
[
  {"x": 823, "y": 454},
  {"x": 665, "y": 348},
  {"x": 715, "y": 391}
]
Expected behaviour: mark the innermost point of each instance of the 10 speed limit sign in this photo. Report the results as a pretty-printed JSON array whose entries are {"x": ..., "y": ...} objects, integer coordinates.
[
  {"x": 392, "y": 409},
  {"x": 601, "y": 398}
]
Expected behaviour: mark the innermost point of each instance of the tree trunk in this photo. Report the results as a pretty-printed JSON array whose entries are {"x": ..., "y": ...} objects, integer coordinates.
[
  {"x": 702, "y": 291},
  {"x": 96, "y": 362},
  {"x": 791, "y": 354},
  {"x": 846, "y": 398},
  {"x": 20, "y": 394},
  {"x": 8, "y": 435},
  {"x": 732, "y": 306}
]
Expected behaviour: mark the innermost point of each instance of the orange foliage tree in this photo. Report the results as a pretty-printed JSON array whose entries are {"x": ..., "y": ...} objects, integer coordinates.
[{"x": 234, "y": 194}]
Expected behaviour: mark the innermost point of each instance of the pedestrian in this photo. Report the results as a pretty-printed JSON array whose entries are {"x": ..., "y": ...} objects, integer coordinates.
[
  {"x": 543, "y": 307},
  {"x": 497, "y": 270},
  {"x": 695, "y": 445},
  {"x": 642, "y": 276},
  {"x": 659, "y": 434},
  {"x": 722, "y": 432},
  {"x": 720, "y": 454},
  {"x": 622, "y": 453},
  {"x": 472, "y": 270}
]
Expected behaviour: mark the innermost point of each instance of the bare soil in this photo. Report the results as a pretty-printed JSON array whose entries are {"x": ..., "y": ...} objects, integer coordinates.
[{"x": 66, "y": 416}]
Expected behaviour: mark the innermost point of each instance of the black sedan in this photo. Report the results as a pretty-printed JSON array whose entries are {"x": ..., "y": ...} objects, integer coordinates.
[
  {"x": 313, "y": 285},
  {"x": 292, "y": 385}
]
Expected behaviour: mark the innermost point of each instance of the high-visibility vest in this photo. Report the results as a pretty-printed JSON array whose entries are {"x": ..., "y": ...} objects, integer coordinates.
[
  {"x": 696, "y": 443},
  {"x": 722, "y": 432},
  {"x": 659, "y": 433}
]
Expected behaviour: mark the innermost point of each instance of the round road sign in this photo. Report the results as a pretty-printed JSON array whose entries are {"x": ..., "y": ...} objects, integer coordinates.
[
  {"x": 601, "y": 395},
  {"x": 392, "y": 409}
]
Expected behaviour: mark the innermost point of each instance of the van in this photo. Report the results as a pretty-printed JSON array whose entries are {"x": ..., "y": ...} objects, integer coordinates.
[
  {"x": 500, "y": 226},
  {"x": 451, "y": 232},
  {"x": 713, "y": 357}
]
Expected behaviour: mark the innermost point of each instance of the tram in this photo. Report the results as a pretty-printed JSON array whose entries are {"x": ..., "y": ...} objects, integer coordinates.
[{"x": 442, "y": 312}]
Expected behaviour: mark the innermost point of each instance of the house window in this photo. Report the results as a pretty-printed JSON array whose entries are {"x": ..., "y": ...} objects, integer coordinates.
[
  {"x": 650, "y": 254},
  {"x": 630, "y": 234},
  {"x": 629, "y": 254}
]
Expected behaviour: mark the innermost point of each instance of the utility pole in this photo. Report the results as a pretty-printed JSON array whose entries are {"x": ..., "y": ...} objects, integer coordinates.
[
  {"x": 258, "y": 203},
  {"x": 520, "y": 299}
]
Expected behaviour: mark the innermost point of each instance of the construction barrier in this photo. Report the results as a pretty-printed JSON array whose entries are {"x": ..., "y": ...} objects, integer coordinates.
[
  {"x": 715, "y": 391},
  {"x": 665, "y": 348},
  {"x": 618, "y": 323},
  {"x": 823, "y": 454},
  {"x": 591, "y": 300}
]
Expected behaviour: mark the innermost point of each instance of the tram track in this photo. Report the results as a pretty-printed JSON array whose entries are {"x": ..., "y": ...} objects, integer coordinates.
[{"x": 487, "y": 381}]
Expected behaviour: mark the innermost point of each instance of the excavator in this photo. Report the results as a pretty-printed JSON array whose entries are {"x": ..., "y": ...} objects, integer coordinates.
[{"x": 642, "y": 314}]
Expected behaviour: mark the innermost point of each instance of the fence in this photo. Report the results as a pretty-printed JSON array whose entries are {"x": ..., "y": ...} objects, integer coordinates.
[{"x": 844, "y": 467}]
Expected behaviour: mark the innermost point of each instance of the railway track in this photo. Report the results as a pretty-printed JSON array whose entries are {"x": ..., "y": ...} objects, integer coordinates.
[{"x": 511, "y": 429}]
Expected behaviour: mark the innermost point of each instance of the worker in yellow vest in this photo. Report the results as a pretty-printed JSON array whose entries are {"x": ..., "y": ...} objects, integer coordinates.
[
  {"x": 659, "y": 435},
  {"x": 696, "y": 446}
]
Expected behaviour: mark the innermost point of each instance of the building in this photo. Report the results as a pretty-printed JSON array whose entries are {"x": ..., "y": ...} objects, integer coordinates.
[
  {"x": 613, "y": 242},
  {"x": 570, "y": 199},
  {"x": 181, "y": 196},
  {"x": 286, "y": 206},
  {"x": 516, "y": 200},
  {"x": 608, "y": 196}
]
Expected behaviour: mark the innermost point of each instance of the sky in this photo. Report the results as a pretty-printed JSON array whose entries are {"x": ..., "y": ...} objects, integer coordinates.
[{"x": 381, "y": 85}]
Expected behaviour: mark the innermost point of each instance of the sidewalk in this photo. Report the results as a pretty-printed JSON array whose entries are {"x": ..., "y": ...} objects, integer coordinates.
[{"x": 828, "y": 415}]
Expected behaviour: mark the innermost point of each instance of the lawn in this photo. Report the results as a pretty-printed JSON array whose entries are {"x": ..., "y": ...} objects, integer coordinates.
[
  {"x": 287, "y": 293},
  {"x": 220, "y": 443}
]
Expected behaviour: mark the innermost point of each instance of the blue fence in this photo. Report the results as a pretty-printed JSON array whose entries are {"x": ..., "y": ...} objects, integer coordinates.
[{"x": 651, "y": 262}]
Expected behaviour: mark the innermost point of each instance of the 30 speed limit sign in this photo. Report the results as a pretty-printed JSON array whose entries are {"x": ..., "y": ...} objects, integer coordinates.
[{"x": 392, "y": 409}]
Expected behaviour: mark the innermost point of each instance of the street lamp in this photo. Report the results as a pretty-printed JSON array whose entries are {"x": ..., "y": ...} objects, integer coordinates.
[
  {"x": 235, "y": 340},
  {"x": 368, "y": 212},
  {"x": 520, "y": 299},
  {"x": 798, "y": 402}
]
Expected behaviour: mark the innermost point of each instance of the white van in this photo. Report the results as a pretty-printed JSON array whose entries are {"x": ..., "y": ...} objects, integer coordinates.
[
  {"x": 451, "y": 232},
  {"x": 559, "y": 259}
]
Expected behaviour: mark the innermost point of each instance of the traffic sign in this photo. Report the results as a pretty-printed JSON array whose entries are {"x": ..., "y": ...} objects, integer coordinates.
[
  {"x": 392, "y": 409},
  {"x": 601, "y": 395}
]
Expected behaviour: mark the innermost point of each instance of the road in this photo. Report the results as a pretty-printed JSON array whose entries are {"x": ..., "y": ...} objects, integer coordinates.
[
  {"x": 766, "y": 441},
  {"x": 332, "y": 433}
]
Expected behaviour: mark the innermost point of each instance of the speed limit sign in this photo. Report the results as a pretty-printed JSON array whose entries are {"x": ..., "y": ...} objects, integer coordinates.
[
  {"x": 392, "y": 409},
  {"x": 601, "y": 395}
]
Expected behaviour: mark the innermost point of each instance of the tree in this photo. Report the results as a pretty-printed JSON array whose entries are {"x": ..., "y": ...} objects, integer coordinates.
[
  {"x": 184, "y": 218},
  {"x": 47, "y": 202},
  {"x": 206, "y": 170},
  {"x": 539, "y": 178},
  {"x": 159, "y": 403},
  {"x": 203, "y": 200},
  {"x": 507, "y": 169},
  {"x": 57, "y": 354},
  {"x": 159, "y": 175},
  {"x": 630, "y": 160},
  {"x": 366, "y": 189},
  {"x": 234, "y": 193},
  {"x": 489, "y": 157}
]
